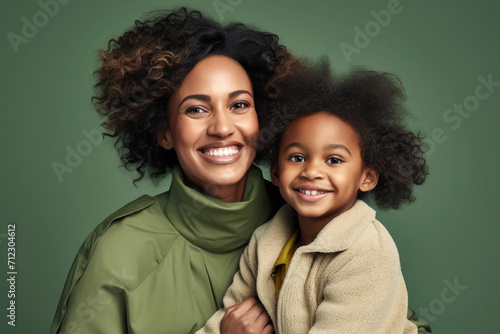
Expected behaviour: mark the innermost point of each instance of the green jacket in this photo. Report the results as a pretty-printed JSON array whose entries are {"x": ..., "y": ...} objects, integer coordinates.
[{"x": 161, "y": 264}]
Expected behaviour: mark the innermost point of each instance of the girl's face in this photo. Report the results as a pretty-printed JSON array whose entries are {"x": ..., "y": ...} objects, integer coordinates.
[
  {"x": 320, "y": 169},
  {"x": 213, "y": 127}
]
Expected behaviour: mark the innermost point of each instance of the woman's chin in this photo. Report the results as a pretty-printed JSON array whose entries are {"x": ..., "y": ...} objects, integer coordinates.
[{"x": 227, "y": 179}]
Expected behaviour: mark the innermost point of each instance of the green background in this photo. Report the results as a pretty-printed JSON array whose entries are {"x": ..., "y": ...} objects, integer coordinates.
[{"x": 437, "y": 48}]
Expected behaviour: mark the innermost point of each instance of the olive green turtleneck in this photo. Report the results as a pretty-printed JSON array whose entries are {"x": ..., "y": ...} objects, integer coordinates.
[{"x": 214, "y": 225}]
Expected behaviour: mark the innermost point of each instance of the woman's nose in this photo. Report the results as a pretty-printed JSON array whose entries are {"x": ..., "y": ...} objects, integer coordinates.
[{"x": 221, "y": 124}]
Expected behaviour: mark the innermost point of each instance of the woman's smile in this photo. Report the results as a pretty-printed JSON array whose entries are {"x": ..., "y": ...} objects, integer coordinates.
[
  {"x": 221, "y": 151},
  {"x": 222, "y": 154}
]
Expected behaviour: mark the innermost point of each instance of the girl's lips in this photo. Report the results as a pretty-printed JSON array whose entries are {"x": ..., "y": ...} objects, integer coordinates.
[
  {"x": 311, "y": 195},
  {"x": 312, "y": 192}
]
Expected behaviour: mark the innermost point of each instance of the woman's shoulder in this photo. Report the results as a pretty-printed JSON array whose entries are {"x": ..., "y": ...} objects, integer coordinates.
[
  {"x": 138, "y": 235},
  {"x": 120, "y": 252},
  {"x": 143, "y": 212},
  {"x": 135, "y": 206}
]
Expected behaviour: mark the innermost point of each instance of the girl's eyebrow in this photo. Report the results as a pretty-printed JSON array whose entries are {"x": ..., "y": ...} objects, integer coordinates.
[
  {"x": 326, "y": 147},
  {"x": 337, "y": 146},
  {"x": 295, "y": 144}
]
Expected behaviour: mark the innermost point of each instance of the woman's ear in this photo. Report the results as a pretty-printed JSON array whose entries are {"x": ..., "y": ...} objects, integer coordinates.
[
  {"x": 275, "y": 176},
  {"x": 164, "y": 137},
  {"x": 369, "y": 180}
]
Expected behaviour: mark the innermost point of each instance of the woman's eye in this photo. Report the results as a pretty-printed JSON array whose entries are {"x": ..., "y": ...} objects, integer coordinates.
[
  {"x": 240, "y": 105},
  {"x": 334, "y": 161},
  {"x": 195, "y": 110},
  {"x": 297, "y": 158}
]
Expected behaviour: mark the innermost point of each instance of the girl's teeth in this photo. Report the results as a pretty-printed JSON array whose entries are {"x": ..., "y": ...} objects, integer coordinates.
[{"x": 312, "y": 192}]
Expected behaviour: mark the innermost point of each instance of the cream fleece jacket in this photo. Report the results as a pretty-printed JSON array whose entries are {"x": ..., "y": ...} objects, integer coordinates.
[{"x": 348, "y": 280}]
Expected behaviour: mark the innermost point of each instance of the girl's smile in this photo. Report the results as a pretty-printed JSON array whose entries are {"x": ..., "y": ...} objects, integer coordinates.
[{"x": 312, "y": 195}]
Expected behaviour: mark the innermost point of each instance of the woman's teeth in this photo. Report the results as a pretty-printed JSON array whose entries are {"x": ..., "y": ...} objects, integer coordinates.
[
  {"x": 311, "y": 192},
  {"x": 221, "y": 152}
]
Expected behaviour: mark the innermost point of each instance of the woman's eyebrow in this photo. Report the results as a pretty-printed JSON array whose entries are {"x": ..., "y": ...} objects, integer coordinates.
[
  {"x": 202, "y": 97},
  {"x": 238, "y": 92}
]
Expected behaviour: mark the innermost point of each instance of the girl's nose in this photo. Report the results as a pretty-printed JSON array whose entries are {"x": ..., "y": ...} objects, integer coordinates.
[{"x": 312, "y": 170}]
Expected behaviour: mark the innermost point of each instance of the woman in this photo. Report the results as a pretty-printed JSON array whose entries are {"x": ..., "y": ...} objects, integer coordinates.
[{"x": 183, "y": 94}]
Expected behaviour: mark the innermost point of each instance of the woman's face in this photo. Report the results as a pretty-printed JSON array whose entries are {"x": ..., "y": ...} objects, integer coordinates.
[{"x": 213, "y": 127}]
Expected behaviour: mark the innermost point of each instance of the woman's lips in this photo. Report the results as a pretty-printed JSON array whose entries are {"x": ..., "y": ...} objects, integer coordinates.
[
  {"x": 225, "y": 151},
  {"x": 221, "y": 154}
]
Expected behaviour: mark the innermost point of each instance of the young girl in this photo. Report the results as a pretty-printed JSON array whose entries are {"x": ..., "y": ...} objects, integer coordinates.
[{"x": 324, "y": 264}]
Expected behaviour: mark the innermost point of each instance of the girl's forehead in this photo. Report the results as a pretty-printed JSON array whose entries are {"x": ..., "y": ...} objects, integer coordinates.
[
  {"x": 321, "y": 128},
  {"x": 321, "y": 120}
]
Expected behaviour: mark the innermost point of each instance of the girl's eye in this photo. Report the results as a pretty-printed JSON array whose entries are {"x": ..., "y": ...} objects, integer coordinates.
[
  {"x": 297, "y": 158},
  {"x": 240, "y": 105},
  {"x": 334, "y": 161}
]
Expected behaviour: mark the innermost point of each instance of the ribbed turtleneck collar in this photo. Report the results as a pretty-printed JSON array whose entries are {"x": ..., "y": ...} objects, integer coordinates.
[{"x": 212, "y": 224}]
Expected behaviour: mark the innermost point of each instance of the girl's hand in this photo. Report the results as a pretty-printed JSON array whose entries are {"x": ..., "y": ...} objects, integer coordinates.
[{"x": 247, "y": 317}]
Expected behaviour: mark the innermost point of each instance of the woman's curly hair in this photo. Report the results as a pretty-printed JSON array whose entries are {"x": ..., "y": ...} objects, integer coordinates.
[
  {"x": 373, "y": 104},
  {"x": 143, "y": 67}
]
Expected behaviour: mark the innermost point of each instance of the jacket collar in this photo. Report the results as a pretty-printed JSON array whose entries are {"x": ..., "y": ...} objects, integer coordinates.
[
  {"x": 212, "y": 224},
  {"x": 341, "y": 232},
  {"x": 338, "y": 235}
]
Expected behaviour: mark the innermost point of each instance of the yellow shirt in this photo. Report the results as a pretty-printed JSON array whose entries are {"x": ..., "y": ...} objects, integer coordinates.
[{"x": 283, "y": 261}]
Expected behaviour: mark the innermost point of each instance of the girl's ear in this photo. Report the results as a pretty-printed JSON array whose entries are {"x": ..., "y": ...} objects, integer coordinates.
[
  {"x": 275, "y": 176},
  {"x": 369, "y": 180},
  {"x": 164, "y": 137}
]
